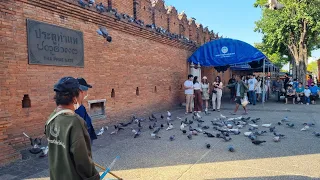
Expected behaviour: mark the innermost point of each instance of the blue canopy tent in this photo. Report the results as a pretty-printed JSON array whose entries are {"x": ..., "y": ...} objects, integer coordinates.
[{"x": 224, "y": 52}]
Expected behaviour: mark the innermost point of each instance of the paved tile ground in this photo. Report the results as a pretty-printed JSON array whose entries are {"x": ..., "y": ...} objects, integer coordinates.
[{"x": 295, "y": 157}]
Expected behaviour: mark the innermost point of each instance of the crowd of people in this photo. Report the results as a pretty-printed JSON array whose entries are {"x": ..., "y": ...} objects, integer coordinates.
[
  {"x": 294, "y": 90},
  {"x": 250, "y": 89}
]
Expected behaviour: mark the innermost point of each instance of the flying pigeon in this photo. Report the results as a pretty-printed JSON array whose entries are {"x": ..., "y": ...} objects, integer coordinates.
[
  {"x": 258, "y": 142},
  {"x": 100, "y": 132},
  {"x": 169, "y": 113},
  {"x": 208, "y": 145},
  {"x": 305, "y": 128},
  {"x": 35, "y": 144},
  {"x": 266, "y": 125},
  {"x": 274, "y": 5},
  {"x": 155, "y": 133},
  {"x": 247, "y": 133},
  {"x": 170, "y": 127},
  {"x": 104, "y": 32},
  {"x": 253, "y": 125}
]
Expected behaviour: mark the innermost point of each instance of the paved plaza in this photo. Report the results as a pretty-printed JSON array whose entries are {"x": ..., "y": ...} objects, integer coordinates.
[{"x": 295, "y": 157}]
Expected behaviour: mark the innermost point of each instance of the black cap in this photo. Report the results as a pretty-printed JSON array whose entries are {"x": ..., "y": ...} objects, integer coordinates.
[
  {"x": 84, "y": 86},
  {"x": 66, "y": 84}
]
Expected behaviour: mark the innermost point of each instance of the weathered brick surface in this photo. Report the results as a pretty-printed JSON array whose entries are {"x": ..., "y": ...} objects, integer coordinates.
[
  {"x": 145, "y": 11},
  {"x": 135, "y": 58},
  {"x": 193, "y": 30},
  {"x": 160, "y": 14},
  {"x": 184, "y": 25},
  {"x": 173, "y": 20},
  {"x": 200, "y": 39}
]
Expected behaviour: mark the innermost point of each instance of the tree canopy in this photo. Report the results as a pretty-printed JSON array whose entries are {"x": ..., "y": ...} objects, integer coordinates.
[{"x": 293, "y": 30}]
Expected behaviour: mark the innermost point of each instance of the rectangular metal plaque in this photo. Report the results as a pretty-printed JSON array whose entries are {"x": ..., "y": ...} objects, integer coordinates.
[{"x": 53, "y": 45}]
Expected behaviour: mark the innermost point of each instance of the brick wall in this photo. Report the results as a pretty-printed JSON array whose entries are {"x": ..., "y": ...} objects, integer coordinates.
[
  {"x": 136, "y": 57},
  {"x": 184, "y": 25},
  {"x": 145, "y": 11},
  {"x": 193, "y": 30},
  {"x": 200, "y": 34},
  {"x": 173, "y": 20},
  {"x": 160, "y": 14}
]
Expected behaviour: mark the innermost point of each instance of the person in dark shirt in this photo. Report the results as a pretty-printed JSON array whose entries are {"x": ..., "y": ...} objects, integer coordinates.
[
  {"x": 286, "y": 81},
  {"x": 81, "y": 111},
  {"x": 232, "y": 89}
]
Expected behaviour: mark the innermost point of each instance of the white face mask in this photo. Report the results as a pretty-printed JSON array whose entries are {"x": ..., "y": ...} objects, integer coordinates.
[{"x": 76, "y": 106}]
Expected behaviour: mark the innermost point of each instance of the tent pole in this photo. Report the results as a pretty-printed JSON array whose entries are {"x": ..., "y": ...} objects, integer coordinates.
[{"x": 263, "y": 81}]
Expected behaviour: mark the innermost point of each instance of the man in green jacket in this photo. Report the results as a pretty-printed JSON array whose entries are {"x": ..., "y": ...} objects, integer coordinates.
[
  {"x": 240, "y": 89},
  {"x": 69, "y": 154}
]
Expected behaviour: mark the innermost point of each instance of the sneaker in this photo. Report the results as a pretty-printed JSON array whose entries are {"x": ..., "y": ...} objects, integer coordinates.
[
  {"x": 218, "y": 110},
  {"x": 206, "y": 110},
  {"x": 307, "y": 103},
  {"x": 213, "y": 110},
  {"x": 198, "y": 116}
]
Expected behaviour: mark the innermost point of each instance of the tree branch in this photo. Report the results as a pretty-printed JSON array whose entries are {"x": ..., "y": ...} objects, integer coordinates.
[{"x": 304, "y": 32}]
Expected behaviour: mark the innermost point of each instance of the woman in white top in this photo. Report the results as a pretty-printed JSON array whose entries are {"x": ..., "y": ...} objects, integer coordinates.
[
  {"x": 217, "y": 93},
  {"x": 258, "y": 89},
  {"x": 197, "y": 95},
  {"x": 205, "y": 91}
]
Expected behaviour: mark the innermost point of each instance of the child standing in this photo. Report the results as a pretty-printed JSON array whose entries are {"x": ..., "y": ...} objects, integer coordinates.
[{"x": 307, "y": 94}]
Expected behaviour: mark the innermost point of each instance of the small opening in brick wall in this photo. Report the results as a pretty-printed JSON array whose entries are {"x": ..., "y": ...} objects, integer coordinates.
[
  {"x": 137, "y": 91},
  {"x": 26, "y": 102},
  {"x": 181, "y": 86},
  {"x": 161, "y": 17},
  {"x": 113, "y": 93},
  {"x": 169, "y": 88},
  {"x": 155, "y": 89},
  {"x": 144, "y": 8},
  {"x": 174, "y": 23}
]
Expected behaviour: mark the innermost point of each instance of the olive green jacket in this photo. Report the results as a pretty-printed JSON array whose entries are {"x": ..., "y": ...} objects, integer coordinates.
[
  {"x": 69, "y": 153},
  {"x": 243, "y": 88}
]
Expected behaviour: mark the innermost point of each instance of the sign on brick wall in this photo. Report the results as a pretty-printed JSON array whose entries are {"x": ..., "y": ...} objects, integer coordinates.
[{"x": 53, "y": 45}]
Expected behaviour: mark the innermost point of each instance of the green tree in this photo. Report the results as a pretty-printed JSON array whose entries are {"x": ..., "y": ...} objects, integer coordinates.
[
  {"x": 296, "y": 27},
  {"x": 313, "y": 68},
  {"x": 276, "y": 57}
]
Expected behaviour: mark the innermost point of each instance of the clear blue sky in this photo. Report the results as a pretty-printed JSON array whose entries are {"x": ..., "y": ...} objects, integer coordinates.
[{"x": 231, "y": 18}]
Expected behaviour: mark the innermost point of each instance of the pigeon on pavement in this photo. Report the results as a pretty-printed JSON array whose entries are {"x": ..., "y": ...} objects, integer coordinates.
[{"x": 258, "y": 142}]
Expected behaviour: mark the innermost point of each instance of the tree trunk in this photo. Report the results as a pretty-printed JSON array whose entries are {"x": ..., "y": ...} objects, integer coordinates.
[{"x": 294, "y": 69}]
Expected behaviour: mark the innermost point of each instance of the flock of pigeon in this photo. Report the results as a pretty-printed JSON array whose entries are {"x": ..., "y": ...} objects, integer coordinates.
[
  {"x": 121, "y": 16},
  {"x": 223, "y": 126}
]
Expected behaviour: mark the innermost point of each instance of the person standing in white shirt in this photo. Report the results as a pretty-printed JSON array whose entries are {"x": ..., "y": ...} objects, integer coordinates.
[
  {"x": 217, "y": 93},
  {"x": 252, "y": 82},
  {"x": 197, "y": 96},
  {"x": 188, "y": 86}
]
